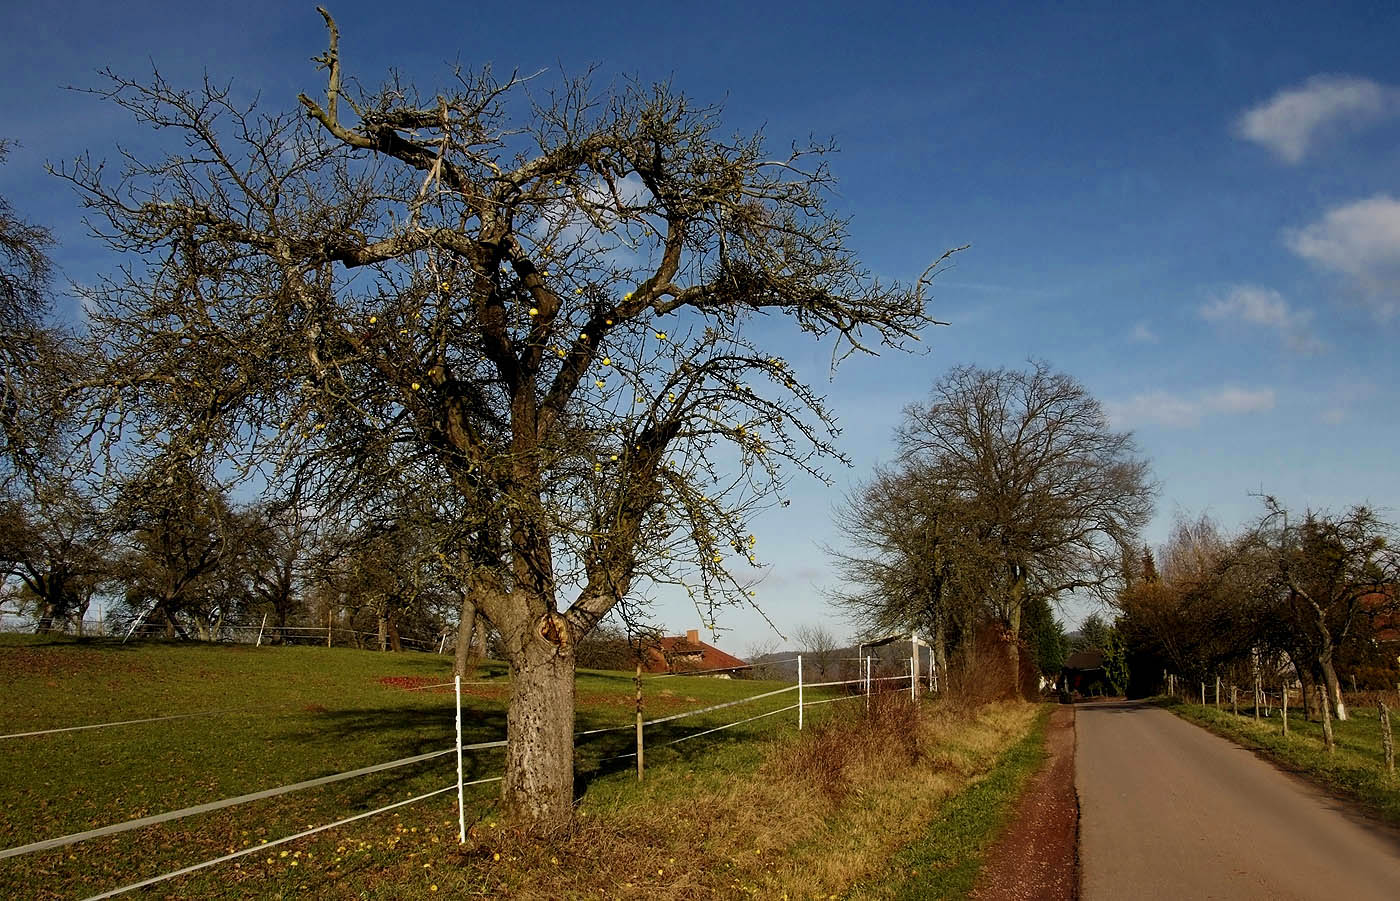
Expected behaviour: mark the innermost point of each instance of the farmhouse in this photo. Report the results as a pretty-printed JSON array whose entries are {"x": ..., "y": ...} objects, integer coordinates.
[{"x": 687, "y": 654}]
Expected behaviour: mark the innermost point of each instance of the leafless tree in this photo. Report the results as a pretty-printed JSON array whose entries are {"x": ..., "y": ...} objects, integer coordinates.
[
  {"x": 541, "y": 304},
  {"x": 34, "y": 354},
  {"x": 820, "y": 648},
  {"x": 1330, "y": 571},
  {"x": 1051, "y": 491},
  {"x": 53, "y": 538}
]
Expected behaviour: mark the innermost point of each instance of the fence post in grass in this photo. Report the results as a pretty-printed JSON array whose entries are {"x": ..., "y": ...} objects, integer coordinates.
[
  {"x": 1217, "y": 692},
  {"x": 913, "y": 681},
  {"x": 1387, "y": 740},
  {"x": 1284, "y": 708},
  {"x": 461, "y": 809},
  {"x": 799, "y": 692},
  {"x": 1203, "y": 694},
  {"x": 1235, "y": 700},
  {"x": 641, "y": 766},
  {"x": 867, "y": 683}
]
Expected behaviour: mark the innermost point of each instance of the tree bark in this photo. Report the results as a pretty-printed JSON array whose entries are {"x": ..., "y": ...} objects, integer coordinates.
[
  {"x": 538, "y": 786},
  {"x": 1326, "y": 722},
  {"x": 1309, "y": 696},
  {"x": 466, "y": 630},
  {"x": 1013, "y": 638},
  {"x": 1334, "y": 688},
  {"x": 383, "y": 616}
]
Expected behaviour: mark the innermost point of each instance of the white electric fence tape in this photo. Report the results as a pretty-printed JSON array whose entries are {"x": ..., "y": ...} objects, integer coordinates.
[
  {"x": 281, "y": 841},
  {"x": 155, "y": 819}
]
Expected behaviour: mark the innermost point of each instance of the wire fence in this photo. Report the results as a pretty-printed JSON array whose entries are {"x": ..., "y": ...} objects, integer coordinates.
[{"x": 866, "y": 686}]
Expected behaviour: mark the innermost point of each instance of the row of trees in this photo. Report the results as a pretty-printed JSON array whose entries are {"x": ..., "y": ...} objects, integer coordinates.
[
  {"x": 508, "y": 340},
  {"x": 1009, "y": 493},
  {"x": 1296, "y": 594},
  {"x": 171, "y": 548}
]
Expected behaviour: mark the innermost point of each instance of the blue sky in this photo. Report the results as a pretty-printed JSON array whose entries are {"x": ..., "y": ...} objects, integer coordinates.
[{"x": 1194, "y": 210}]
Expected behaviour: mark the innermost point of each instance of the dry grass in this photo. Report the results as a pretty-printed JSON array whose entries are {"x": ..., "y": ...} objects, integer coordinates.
[{"x": 813, "y": 816}]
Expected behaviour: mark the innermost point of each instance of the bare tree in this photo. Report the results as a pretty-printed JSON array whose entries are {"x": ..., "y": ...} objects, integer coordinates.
[
  {"x": 1052, "y": 493},
  {"x": 540, "y": 306},
  {"x": 34, "y": 357},
  {"x": 52, "y": 536},
  {"x": 1331, "y": 571},
  {"x": 819, "y": 647}
]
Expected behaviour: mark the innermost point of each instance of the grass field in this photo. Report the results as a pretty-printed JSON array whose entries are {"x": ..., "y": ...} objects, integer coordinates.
[
  {"x": 699, "y": 826},
  {"x": 1356, "y": 770}
]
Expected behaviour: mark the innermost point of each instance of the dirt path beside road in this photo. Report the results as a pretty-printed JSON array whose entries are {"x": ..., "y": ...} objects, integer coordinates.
[{"x": 1036, "y": 859}]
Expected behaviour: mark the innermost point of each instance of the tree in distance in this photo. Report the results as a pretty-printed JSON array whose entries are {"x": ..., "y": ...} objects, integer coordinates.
[
  {"x": 1034, "y": 493},
  {"x": 538, "y": 310}
]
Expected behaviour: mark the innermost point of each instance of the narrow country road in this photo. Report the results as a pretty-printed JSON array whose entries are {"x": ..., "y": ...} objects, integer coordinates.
[{"x": 1168, "y": 810}]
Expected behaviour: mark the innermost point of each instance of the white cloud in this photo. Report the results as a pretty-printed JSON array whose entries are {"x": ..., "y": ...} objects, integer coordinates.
[
  {"x": 1289, "y": 122},
  {"x": 1362, "y": 241},
  {"x": 1142, "y": 332},
  {"x": 1266, "y": 308},
  {"x": 1175, "y": 411}
]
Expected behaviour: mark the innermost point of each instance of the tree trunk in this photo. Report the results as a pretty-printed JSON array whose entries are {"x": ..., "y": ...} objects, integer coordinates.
[
  {"x": 538, "y": 786},
  {"x": 1326, "y": 722},
  {"x": 383, "y": 630},
  {"x": 1334, "y": 688},
  {"x": 1013, "y": 640},
  {"x": 1309, "y": 696},
  {"x": 466, "y": 630},
  {"x": 44, "y": 622}
]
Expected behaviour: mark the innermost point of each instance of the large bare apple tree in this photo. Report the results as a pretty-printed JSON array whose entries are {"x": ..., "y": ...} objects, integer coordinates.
[{"x": 548, "y": 308}]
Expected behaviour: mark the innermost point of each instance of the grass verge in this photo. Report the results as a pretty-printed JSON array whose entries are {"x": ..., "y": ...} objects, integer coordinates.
[
  {"x": 1356, "y": 770},
  {"x": 945, "y": 861},
  {"x": 756, "y": 811}
]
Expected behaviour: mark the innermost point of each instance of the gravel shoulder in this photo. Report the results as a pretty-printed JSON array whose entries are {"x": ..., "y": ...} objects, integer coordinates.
[{"x": 1037, "y": 857}]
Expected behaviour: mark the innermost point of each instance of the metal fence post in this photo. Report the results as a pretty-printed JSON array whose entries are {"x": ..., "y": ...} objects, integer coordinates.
[{"x": 461, "y": 809}]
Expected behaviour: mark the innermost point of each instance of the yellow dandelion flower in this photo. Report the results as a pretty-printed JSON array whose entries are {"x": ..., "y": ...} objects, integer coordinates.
[
  {"x": 432, "y": 888},
  {"x": 282, "y": 854},
  {"x": 496, "y": 856}
]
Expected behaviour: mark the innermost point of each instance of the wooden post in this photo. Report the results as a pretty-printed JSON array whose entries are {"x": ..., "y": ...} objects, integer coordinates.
[
  {"x": 260, "y": 629},
  {"x": 640, "y": 765},
  {"x": 1258, "y": 687},
  {"x": 1235, "y": 699},
  {"x": 1284, "y": 708},
  {"x": 913, "y": 679},
  {"x": 1326, "y": 717},
  {"x": 1203, "y": 694},
  {"x": 1217, "y": 692},
  {"x": 1387, "y": 740}
]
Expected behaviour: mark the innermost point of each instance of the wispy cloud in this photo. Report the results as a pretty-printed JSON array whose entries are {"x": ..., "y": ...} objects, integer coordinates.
[
  {"x": 1360, "y": 240},
  {"x": 1142, "y": 333},
  {"x": 1253, "y": 305},
  {"x": 1177, "y": 411},
  {"x": 1289, "y": 122}
]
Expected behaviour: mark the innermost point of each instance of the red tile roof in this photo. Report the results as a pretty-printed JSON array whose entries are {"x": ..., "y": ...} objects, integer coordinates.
[{"x": 686, "y": 654}]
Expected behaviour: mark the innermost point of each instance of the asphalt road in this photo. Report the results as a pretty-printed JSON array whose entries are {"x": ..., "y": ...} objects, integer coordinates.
[{"x": 1168, "y": 810}]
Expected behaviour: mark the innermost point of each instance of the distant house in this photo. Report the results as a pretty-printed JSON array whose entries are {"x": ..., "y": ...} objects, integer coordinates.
[
  {"x": 687, "y": 654},
  {"x": 1083, "y": 672}
]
